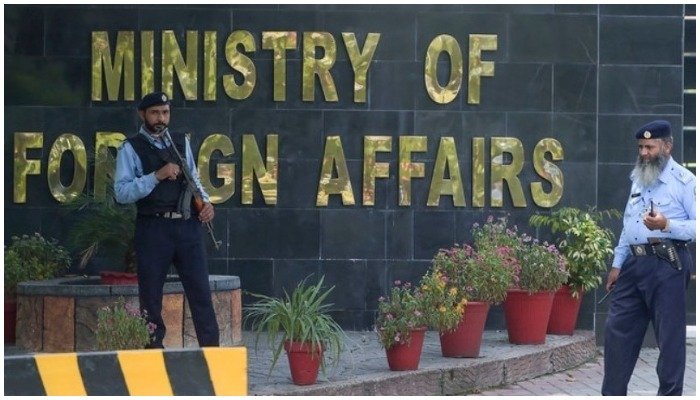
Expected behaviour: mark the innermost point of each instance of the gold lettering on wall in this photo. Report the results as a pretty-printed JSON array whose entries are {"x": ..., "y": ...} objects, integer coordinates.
[
  {"x": 408, "y": 169},
  {"x": 225, "y": 171},
  {"x": 478, "y": 171},
  {"x": 105, "y": 162},
  {"x": 478, "y": 68},
  {"x": 318, "y": 67},
  {"x": 148, "y": 68},
  {"x": 360, "y": 62},
  {"x": 24, "y": 166},
  {"x": 240, "y": 63},
  {"x": 447, "y": 161},
  {"x": 549, "y": 171},
  {"x": 373, "y": 169},
  {"x": 279, "y": 43},
  {"x": 334, "y": 160},
  {"x": 209, "y": 66},
  {"x": 501, "y": 172},
  {"x": 64, "y": 143},
  {"x": 123, "y": 63},
  {"x": 265, "y": 174},
  {"x": 174, "y": 63},
  {"x": 443, "y": 94}
]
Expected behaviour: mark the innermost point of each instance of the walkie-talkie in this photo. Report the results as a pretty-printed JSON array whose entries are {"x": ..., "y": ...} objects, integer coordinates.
[{"x": 651, "y": 210}]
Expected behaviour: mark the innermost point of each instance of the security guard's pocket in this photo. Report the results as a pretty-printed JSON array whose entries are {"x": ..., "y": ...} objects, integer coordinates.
[
  {"x": 635, "y": 206},
  {"x": 661, "y": 204}
]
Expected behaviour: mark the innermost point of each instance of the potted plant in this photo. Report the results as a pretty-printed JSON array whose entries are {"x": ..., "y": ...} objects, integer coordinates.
[
  {"x": 307, "y": 330},
  {"x": 464, "y": 282},
  {"x": 122, "y": 326},
  {"x": 401, "y": 324},
  {"x": 586, "y": 246},
  {"x": 105, "y": 224},
  {"x": 528, "y": 305},
  {"x": 29, "y": 258}
]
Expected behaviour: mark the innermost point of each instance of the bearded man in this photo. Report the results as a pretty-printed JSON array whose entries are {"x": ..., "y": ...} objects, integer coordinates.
[{"x": 651, "y": 266}]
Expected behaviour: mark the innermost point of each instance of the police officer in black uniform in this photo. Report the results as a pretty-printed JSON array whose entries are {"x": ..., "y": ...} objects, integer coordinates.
[
  {"x": 167, "y": 232},
  {"x": 651, "y": 267}
]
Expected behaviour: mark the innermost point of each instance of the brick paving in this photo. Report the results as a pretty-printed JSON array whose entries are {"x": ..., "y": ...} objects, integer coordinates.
[{"x": 586, "y": 380}]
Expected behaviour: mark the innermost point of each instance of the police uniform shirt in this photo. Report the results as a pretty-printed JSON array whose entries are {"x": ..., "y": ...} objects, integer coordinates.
[
  {"x": 131, "y": 185},
  {"x": 673, "y": 195}
]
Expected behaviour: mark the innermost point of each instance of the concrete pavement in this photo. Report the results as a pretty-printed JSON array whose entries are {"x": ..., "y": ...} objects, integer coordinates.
[
  {"x": 586, "y": 379},
  {"x": 564, "y": 365}
]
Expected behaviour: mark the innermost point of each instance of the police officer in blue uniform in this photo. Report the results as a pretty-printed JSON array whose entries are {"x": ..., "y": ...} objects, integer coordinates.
[
  {"x": 651, "y": 266},
  {"x": 148, "y": 174}
]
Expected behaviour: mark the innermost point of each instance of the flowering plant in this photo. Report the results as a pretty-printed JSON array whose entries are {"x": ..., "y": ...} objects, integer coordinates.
[
  {"x": 31, "y": 258},
  {"x": 444, "y": 301},
  {"x": 542, "y": 268},
  {"x": 122, "y": 327},
  {"x": 398, "y": 314}
]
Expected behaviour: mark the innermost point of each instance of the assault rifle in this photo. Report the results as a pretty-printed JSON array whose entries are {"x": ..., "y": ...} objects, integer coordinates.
[{"x": 197, "y": 199}]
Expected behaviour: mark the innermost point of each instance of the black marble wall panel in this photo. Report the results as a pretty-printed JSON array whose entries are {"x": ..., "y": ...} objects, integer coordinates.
[{"x": 586, "y": 75}]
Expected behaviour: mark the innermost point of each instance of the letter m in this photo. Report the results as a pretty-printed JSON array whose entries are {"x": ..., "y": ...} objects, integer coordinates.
[{"x": 123, "y": 63}]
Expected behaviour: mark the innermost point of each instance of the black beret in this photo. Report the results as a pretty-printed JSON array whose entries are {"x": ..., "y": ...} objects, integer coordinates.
[
  {"x": 154, "y": 99},
  {"x": 654, "y": 130}
]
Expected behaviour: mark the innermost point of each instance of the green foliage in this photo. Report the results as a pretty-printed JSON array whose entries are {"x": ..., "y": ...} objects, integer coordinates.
[
  {"x": 122, "y": 327},
  {"x": 584, "y": 243},
  {"x": 495, "y": 234},
  {"x": 398, "y": 314},
  {"x": 301, "y": 318},
  {"x": 104, "y": 224},
  {"x": 444, "y": 303},
  {"x": 30, "y": 258},
  {"x": 542, "y": 268}
]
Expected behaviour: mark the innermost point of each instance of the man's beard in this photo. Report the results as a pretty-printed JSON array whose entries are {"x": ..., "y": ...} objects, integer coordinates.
[
  {"x": 645, "y": 173},
  {"x": 156, "y": 128}
]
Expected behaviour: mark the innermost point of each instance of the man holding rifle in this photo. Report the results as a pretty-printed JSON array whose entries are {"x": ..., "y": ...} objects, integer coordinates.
[
  {"x": 651, "y": 268},
  {"x": 151, "y": 173}
]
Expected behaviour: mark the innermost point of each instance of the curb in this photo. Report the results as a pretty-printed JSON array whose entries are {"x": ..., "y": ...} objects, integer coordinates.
[
  {"x": 500, "y": 364},
  {"x": 202, "y": 371}
]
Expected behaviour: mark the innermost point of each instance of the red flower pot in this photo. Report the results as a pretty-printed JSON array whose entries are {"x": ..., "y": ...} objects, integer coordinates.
[
  {"x": 303, "y": 363},
  {"x": 527, "y": 316},
  {"x": 406, "y": 356},
  {"x": 565, "y": 309},
  {"x": 118, "y": 278},
  {"x": 10, "y": 320},
  {"x": 465, "y": 340}
]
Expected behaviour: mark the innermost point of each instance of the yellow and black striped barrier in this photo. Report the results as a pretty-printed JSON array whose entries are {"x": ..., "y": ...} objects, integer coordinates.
[{"x": 205, "y": 371}]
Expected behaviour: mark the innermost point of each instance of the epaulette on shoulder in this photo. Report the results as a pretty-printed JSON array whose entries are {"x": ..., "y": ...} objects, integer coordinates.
[{"x": 683, "y": 175}]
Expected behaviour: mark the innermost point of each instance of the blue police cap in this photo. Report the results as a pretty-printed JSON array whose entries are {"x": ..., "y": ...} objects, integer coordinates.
[
  {"x": 654, "y": 130},
  {"x": 154, "y": 99}
]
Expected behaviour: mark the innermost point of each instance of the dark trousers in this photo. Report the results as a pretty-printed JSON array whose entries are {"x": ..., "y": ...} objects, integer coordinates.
[
  {"x": 160, "y": 242},
  {"x": 647, "y": 289}
]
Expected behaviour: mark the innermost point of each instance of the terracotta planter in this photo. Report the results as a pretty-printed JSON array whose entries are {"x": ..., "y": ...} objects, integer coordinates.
[
  {"x": 406, "y": 357},
  {"x": 527, "y": 316},
  {"x": 465, "y": 340},
  {"x": 10, "y": 320},
  {"x": 118, "y": 278},
  {"x": 303, "y": 363},
  {"x": 565, "y": 310}
]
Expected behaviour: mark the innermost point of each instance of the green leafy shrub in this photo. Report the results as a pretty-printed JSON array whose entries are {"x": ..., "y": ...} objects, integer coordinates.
[
  {"x": 542, "y": 268},
  {"x": 31, "y": 258},
  {"x": 584, "y": 243},
  {"x": 122, "y": 326},
  {"x": 301, "y": 317}
]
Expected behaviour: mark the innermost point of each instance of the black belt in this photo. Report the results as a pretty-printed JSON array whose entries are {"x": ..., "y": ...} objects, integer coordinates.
[
  {"x": 169, "y": 215},
  {"x": 652, "y": 249}
]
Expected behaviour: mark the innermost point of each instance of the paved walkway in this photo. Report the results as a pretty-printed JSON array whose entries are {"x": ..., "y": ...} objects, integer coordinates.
[
  {"x": 364, "y": 370},
  {"x": 587, "y": 379}
]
